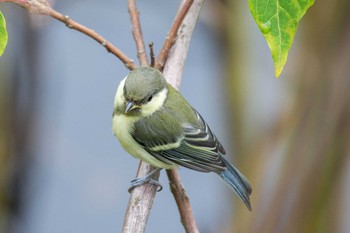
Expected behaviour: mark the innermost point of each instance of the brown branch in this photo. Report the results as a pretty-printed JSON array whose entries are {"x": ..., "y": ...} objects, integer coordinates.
[
  {"x": 94, "y": 35},
  {"x": 42, "y": 7},
  {"x": 137, "y": 33},
  {"x": 182, "y": 201},
  {"x": 171, "y": 38},
  {"x": 177, "y": 56},
  {"x": 151, "y": 51}
]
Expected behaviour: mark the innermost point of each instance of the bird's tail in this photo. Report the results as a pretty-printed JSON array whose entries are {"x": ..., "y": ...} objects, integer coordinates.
[{"x": 237, "y": 182}]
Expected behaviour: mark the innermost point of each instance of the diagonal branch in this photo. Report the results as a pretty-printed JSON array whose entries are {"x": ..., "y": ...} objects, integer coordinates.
[
  {"x": 94, "y": 35},
  {"x": 42, "y": 7},
  {"x": 137, "y": 33},
  {"x": 171, "y": 38},
  {"x": 182, "y": 202}
]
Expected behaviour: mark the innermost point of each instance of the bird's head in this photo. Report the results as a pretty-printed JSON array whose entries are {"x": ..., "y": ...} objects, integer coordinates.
[{"x": 141, "y": 93}]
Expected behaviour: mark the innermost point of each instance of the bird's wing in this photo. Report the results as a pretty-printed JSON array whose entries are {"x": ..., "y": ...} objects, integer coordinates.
[{"x": 196, "y": 148}]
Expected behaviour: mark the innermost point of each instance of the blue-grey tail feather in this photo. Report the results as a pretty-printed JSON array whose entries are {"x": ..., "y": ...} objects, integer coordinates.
[{"x": 237, "y": 182}]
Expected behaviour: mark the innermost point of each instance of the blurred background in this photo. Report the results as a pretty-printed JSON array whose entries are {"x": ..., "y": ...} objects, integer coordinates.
[{"x": 62, "y": 170}]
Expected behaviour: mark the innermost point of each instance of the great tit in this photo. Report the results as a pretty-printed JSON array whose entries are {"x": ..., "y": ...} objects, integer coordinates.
[{"x": 154, "y": 123}]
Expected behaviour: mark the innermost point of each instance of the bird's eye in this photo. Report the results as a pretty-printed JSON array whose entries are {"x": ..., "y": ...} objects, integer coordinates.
[{"x": 149, "y": 98}]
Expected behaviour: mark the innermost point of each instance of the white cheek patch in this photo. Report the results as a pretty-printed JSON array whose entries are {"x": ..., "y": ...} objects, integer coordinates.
[
  {"x": 119, "y": 95},
  {"x": 155, "y": 104}
]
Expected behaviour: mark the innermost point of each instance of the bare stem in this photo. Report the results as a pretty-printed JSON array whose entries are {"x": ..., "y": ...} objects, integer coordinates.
[
  {"x": 137, "y": 33},
  {"x": 175, "y": 62},
  {"x": 42, "y": 7},
  {"x": 182, "y": 201},
  {"x": 70, "y": 23},
  {"x": 151, "y": 51},
  {"x": 171, "y": 38}
]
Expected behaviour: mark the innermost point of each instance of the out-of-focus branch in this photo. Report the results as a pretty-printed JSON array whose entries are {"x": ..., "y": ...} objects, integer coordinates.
[
  {"x": 42, "y": 7},
  {"x": 171, "y": 38},
  {"x": 137, "y": 32}
]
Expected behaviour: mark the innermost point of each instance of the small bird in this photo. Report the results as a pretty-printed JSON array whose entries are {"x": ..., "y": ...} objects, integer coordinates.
[{"x": 154, "y": 123}]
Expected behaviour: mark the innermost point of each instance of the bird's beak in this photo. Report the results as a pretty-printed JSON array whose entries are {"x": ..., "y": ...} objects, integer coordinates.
[{"x": 130, "y": 105}]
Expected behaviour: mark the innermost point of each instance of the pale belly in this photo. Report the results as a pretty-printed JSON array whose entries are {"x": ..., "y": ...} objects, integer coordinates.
[{"x": 121, "y": 125}]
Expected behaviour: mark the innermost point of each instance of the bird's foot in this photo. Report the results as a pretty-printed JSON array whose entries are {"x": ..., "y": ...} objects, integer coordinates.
[{"x": 146, "y": 179}]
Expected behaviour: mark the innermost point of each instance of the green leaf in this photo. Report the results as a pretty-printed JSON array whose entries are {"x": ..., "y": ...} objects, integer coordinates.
[
  {"x": 278, "y": 21},
  {"x": 3, "y": 34}
]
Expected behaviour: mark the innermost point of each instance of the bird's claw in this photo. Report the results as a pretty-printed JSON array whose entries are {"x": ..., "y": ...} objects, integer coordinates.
[
  {"x": 148, "y": 178},
  {"x": 140, "y": 181}
]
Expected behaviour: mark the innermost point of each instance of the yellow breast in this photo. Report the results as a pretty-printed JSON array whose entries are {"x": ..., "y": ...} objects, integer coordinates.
[{"x": 122, "y": 125}]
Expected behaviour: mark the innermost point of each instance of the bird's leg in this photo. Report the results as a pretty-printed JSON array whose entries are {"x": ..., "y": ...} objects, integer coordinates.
[{"x": 148, "y": 178}]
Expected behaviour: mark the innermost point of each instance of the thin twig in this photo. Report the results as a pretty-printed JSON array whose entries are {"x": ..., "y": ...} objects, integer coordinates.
[
  {"x": 42, "y": 7},
  {"x": 70, "y": 23},
  {"x": 182, "y": 201},
  {"x": 171, "y": 38},
  {"x": 137, "y": 33},
  {"x": 151, "y": 51},
  {"x": 175, "y": 63}
]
